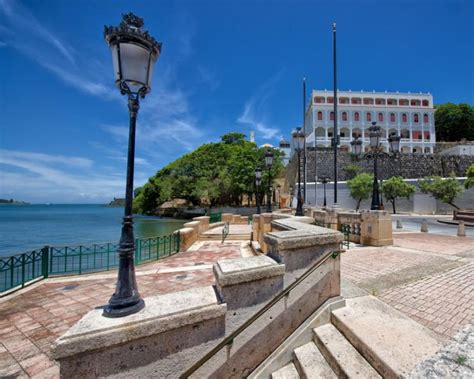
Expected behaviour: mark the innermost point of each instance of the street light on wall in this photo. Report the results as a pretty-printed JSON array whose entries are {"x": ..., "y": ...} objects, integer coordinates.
[
  {"x": 298, "y": 143},
  {"x": 134, "y": 52},
  {"x": 375, "y": 152},
  {"x": 324, "y": 181},
  {"x": 258, "y": 180},
  {"x": 269, "y": 163}
]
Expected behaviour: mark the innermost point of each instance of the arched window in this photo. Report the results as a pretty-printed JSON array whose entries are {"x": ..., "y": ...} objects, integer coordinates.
[
  {"x": 331, "y": 116},
  {"x": 320, "y": 116},
  {"x": 368, "y": 116},
  {"x": 356, "y": 116},
  {"x": 404, "y": 118},
  {"x": 426, "y": 119},
  {"x": 380, "y": 117},
  {"x": 344, "y": 116},
  {"x": 416, "y": 118},
  {"x": 392, "y": 117}
]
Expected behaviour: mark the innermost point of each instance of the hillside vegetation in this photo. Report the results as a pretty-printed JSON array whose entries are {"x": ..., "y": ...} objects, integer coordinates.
[{"x": 214, "y": 174}]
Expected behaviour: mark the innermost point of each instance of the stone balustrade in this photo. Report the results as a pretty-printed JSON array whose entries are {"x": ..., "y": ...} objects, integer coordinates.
[{"x": 174, "y": 330}]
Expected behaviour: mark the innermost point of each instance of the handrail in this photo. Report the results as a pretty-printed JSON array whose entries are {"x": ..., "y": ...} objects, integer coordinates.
[{"x": 230, "y": 338}]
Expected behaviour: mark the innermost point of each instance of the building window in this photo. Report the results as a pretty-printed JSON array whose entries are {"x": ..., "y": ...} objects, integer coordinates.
[
  {"x": 392, "y": 102},
  {"x": 331, "y": 116},
  {"x": 368, "y": 116},
  {"x": 368, "y": 101},
  {"x": 319, "y": 100},
  {"x": 380, "y": 117},
  {"x": 343, "y": 100},
  {"x": 425, "y": 103},
  {"x": 356, "y": 100},
  {"x": 379, "y": 101},
  {"x": 330, "y": 100},
  {"x": 427, "y": 136},
  {"x": 426, "y": 119},
  {"x": 356, "y": 116},
  {"x": 344, "y": 116},
  {"x": 404, "y": 118},
  {"x": 416, "y": 118},
  {"x": 320, "y": 116},
  {"x": 392, "y": 117},
  {"x": 403, "y": 102},
  {"x": 415, "y": 103}
]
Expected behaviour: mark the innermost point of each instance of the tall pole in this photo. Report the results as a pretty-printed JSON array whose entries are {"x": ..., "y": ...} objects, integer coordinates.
[
  {"x": 336, "y": 134},
  {"x": 126, "y": 299},
  {"x": 258, "y": 197},
  {"x": 304, "y": 131},
  {"x": 269, "y": 195},
  {"x": 299, "y": 205},
  {"x": 375, "y": 206}
]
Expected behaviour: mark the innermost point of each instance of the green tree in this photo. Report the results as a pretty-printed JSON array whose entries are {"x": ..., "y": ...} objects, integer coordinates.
[
  {"x": 470, "y": 177},
  {"x": 360, "y": 187},
  {"x": 445, "y": 190},
  {"x": 351, "y": 170},
  {"x": 213, "y": 174},
  {"x": 394, "y": 188},
  {"x": 454, "y": 122}
]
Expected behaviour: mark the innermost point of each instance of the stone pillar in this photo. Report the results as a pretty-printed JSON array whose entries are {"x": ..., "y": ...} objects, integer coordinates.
[
  {"x": 245, "y": 284},
  {"x": 187, "y": 236},
  {"x": 227, "y": 217},
  {"x": 376, "y": 228},
  {"x": 195, "y": 225},
  {"x": 331, "y": 218},
  {"x": 265, "y": 227},
  {"x": 461, "y": 229},
  {"x": 424, "y": 226},
  {"x": 204, "y": 223},
  {"x": 162, "y": 340}
]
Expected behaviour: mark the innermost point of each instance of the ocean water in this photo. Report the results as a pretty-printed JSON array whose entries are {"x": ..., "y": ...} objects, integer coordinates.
[{"x": 28, "y": 227}]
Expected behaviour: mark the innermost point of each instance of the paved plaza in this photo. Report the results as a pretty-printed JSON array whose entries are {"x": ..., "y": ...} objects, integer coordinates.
[{"x": 428, "y": 277}]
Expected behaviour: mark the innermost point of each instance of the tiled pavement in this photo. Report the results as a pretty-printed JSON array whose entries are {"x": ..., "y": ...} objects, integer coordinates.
[
  {"x": 428, "y": 277},
  {"x": 32, "y": 320}
]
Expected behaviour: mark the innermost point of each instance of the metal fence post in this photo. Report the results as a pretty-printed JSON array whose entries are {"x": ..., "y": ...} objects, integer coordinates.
[
  {"x": 80, "y": 260},
  {"x": 45, "y": 261}
]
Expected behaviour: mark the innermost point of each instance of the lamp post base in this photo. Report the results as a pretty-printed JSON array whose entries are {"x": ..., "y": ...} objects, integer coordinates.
[{"x": 120, "y": 311}]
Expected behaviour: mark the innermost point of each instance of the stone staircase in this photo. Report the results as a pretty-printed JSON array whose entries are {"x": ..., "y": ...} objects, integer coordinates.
[{"x": 365, "y": 339}]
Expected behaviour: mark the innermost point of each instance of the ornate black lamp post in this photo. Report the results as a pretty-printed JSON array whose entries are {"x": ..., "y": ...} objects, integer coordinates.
[
  {"x": 324, "y": 181},
  {"x": 375, "y": 152},
  {"x": 269, "y": 163},
  {"x": 134, "y": 52},
  {"x": 258, "y": 180},
  {"x": 298, "y": 143}
]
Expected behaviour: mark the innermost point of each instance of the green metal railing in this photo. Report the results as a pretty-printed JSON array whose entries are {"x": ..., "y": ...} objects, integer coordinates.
[
  {"x": 215, "y": 217},
  {"x": 19, "y": 270}
]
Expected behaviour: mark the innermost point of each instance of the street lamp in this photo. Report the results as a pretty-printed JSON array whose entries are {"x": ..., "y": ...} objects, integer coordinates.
[
  {"x": 375, "y": 152},
  {"x": 258, "y": 180},
  {"x": 134, "y": 52},
  {"x": 268, "y": 163},
  {"x": 298, "y": 143},
  {"x": 324, "y": 180}
]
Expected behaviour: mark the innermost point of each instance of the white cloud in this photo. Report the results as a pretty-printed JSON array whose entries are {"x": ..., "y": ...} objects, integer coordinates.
[
  {"x": 32, "y": 176},
  {"x": 255, "y": 109}
]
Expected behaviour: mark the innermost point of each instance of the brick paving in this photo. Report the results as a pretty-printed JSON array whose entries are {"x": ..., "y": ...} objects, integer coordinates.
[
  {"x": 444, "y": 302},
  {"x": 32, "y": 320},
  {"x": 428, "y": 277}
]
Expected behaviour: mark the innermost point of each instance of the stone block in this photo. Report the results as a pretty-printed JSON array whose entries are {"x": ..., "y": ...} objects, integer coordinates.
[
  {"x": 167, "y": 336},
  {"x": 376, "y": 228},
  {"x": 204, "y": 223},
  {"x": 227, "y": 217},
  {"x": 187, "y": 237},
  {"x": 244, "y": 282}
]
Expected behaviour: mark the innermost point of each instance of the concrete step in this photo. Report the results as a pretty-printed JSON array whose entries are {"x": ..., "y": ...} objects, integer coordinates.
[
  {"x": 218, "y": 237},
  {"x": 343, "y": 358},
  {"x": 311, "y": 364},
  {"x": 389, "y": 340},
  {"x": 286, "y": 372}
]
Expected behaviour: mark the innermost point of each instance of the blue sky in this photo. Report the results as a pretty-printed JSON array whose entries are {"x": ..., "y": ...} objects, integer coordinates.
[{"x": 225, "y": 66}]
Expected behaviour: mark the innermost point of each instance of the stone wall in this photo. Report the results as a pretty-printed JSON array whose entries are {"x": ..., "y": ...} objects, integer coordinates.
[{"x": 405, "y": 165}]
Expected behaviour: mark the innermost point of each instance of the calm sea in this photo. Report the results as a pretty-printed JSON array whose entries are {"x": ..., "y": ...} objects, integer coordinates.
[{"x": 27, "y": 227}]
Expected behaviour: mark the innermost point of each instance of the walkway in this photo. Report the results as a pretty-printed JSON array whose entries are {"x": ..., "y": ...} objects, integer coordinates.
[
  {"x": 32, "y": 319},
  {"x": 428, "y": 277}
]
